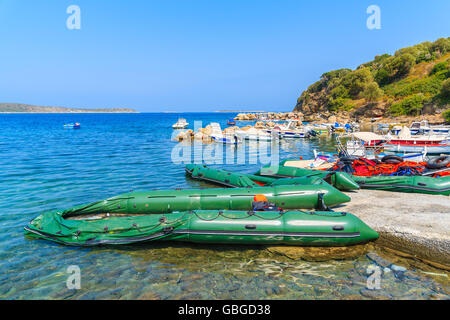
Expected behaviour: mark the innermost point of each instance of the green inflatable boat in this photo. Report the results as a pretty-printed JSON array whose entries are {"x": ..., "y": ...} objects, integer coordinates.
[
  {"x": 239, "y": 180},
  {"x": 340, "y": 180},
  {"x": 80, "y": 227},
  {"x": 412, "y": 184}
]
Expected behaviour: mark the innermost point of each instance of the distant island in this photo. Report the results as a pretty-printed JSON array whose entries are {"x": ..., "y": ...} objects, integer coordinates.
[{"x": 27, "y": 108}]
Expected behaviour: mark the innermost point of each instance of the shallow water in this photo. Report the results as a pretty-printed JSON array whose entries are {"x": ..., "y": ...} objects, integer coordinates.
[{"x": 44, "y": 167}]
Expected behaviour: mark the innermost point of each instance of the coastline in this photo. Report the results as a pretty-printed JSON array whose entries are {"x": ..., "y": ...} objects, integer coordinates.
[
  {"x": 74, "y": 112},
  {"x": 21, "y": 108}
]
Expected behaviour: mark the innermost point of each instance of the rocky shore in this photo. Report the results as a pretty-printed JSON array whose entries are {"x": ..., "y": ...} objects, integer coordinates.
[
  {"x": 413, "y": 226},
  {"x": 343, "y": 117},
  {"x": 203, "y": 135},
  {"x": 416, "y": 224}
]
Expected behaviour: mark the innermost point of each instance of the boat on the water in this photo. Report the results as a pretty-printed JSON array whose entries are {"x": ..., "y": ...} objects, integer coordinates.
[
  {"x": 289, "y": 130},
  {"x": 208, "y": 216},
  {"x": 180, "y": 124},
  {"x": 231, "y": 122},
  {"x": 423, "y": 127},
  {"x": 75, "y": 125},
  {"x": 218, "y": 136},
  {"x": 405, "y": 142},
  {"x": 254, "y": 134},
  {"x": 411, "y": 184},
  {"x": 339, "y": 180},
  {"x": 428, "y": 182},
  {"x": 116, "y": 226}
]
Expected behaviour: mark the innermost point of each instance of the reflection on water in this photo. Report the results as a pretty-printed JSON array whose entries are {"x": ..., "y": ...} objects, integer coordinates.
[{"x": 44, "y": 167}]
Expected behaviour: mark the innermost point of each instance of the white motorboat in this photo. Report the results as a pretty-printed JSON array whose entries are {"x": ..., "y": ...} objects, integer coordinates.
[
  {"x": 218, "y": 136},
  {"x": 405, "y": 142},
  {"x": 181, "y": 124},
  {"x": 423, "y": 127},
  {"x": 289, "y": 130},
  {"x": 370, "y": 145},
  {"x": 254, "y": 134}
]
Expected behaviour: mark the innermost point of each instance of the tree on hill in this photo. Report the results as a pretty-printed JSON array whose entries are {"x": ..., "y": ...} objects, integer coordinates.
[
  {"x": 372, "y": 92},
  {"x": 446, "y": 88}
]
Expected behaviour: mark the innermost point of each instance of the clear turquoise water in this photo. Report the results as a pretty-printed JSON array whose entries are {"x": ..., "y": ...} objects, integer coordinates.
[{"x": 44, "y": 167}]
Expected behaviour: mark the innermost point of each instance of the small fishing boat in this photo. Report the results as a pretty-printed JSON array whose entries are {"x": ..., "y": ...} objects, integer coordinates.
[
  {"x": 231, "y": 122},
  {"x": 320, "y": 129},
  {"x": 423, "y": 127},
  {"x": 289, "y": 130},
  {"x": 405, "y": 142},
  {"x": 180, "y": 124},
  {"x": 218, "y": 136},
  {"x": 75, "y": 125},
  {"x": 254, "y": 134}
]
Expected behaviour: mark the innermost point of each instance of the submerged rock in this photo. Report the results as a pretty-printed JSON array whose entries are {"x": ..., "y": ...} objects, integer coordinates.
[
  {"x": 320, "y": 253},
  {"x": 375, "y": 294},
  {"x": 150, "y": 295},
  {"x": 378, "y": 260},
  {"x": 398, "y": 268}
]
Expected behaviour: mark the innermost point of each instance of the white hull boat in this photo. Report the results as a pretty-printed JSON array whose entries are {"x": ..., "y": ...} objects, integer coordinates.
[
  {"x": 181, "y": 124},
  {"x": 253, "y": 135},
  {"x": 418, "y": 148},
  {"x": 218, "y": 136},
  {"x": 405, "y": 142}
]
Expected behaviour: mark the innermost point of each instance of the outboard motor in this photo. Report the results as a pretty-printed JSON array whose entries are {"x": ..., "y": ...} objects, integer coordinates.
[
  {"x": 312, "y": 133},
  {"x": 264, "y": 206},
  {"x": 260, "y": 203}
]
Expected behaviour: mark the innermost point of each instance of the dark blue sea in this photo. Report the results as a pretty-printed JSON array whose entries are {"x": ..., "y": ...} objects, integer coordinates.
[{"x": 46, "y": 167}]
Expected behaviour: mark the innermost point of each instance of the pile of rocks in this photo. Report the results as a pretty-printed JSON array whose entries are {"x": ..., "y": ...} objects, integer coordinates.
[
  {"x": 269, "y": 116},
  {"x": 204, "y": 134}
]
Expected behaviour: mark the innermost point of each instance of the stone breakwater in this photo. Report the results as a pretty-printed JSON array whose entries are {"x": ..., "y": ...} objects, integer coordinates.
[
  {"x": 328, "y": 117},
  {"x": 269, "y": 116},
  {"x": 204, "y": 134},
  {"x": 416, "y": 224}
]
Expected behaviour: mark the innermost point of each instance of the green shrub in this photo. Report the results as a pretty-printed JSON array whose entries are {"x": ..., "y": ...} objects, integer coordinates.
[
  {"x": 429, "y": 86},
  {"x": 395, "y": 68},
  {"x": 372, "y": 92},
  {"x": 446, "y": 115},
  {"x": 356, "y": 81},
  {"x": 445, "y": 91},
  {"x": 409, "y": 106},
  {"x": 441, "y": 45},
  {"x": 439, "y": 67}
]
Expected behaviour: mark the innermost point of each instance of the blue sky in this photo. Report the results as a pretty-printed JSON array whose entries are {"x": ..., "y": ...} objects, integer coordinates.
[{"x": 195, "y": 55}]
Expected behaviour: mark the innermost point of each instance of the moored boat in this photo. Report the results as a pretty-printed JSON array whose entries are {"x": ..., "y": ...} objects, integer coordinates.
[
  {"x": 218, "y": 136},
  {"x": 75, "y": 125},
  {"x": 410, "y": 184},
  {"x": 405, "y": 142},
  {"x": 289, "y": 130},
  {"x": 236, "y": 179},
  {"x": 201, "y": 226},
  {"x": 180, "y": 124},
  {"x": 340, "y": 180},
  {"x": 254, "y": 134}
]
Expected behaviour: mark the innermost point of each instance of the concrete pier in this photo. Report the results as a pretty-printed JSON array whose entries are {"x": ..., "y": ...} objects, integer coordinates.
[{"x": 415, "y": 224}]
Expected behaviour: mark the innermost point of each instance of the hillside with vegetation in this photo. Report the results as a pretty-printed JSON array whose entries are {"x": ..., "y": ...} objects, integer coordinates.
[
  {"x": 413, "y": 82},
  {"x": 27, "y": 108}
]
